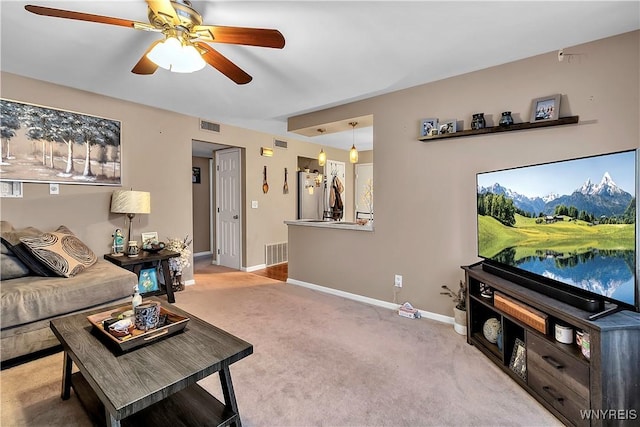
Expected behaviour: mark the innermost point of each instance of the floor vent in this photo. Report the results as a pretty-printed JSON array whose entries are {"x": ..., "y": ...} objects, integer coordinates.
[
  {"x": 276, "y": 253},
  {"x": 209, "y": 126},
  {"x": 280, "y": 144}
]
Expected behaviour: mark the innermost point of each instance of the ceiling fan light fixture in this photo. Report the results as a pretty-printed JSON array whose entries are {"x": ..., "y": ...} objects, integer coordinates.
[{"x": 174, "y": 56}]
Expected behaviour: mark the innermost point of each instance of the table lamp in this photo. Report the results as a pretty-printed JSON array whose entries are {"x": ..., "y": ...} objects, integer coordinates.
[{"x": 131, "y": 202}]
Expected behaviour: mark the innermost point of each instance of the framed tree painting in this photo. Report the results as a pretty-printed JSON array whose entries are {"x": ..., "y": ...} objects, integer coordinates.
[{"x": 44, "y": 144}]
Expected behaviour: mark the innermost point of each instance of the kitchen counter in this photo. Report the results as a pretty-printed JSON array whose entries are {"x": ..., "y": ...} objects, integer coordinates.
[{"x": 338, "y": 225}]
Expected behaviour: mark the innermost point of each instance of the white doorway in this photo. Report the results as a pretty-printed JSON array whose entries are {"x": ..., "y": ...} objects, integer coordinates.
[
  {"x": 364, "y": 173},
  {"x": 229, "y": 207}
]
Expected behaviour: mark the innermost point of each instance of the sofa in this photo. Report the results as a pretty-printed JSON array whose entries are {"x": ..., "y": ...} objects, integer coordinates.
[{"x": 46, "y": 275}]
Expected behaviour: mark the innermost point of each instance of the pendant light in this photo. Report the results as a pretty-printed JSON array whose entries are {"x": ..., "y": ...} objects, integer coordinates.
[
  {"x": 353, "y": 153},
  {"x": 322, "y": 157}
]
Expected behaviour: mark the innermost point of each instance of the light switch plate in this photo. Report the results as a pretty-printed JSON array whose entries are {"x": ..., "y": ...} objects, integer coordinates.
[
  {"x": 54, "y": 188},
  {"x": 254, "y": 204}
]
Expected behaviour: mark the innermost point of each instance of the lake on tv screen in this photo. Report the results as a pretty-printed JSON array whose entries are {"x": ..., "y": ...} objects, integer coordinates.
[{"x": 609, "y": 273}]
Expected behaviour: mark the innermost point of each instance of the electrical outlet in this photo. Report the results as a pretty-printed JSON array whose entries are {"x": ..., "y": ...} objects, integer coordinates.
[
  {"x": 398, "y": 281},
  {"x": 54, "y": 188}
]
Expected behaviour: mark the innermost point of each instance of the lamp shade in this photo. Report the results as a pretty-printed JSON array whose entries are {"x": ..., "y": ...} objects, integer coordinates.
[
  {"x": 131, "y": 202},
  {"x": 175, "y": 56}
]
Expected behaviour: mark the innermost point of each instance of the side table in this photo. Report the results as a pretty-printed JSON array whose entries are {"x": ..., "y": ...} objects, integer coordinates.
[{"x": 135, "y": 264}]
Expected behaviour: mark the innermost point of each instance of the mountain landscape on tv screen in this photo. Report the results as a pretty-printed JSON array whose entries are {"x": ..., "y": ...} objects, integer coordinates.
[
  {"x": 584, "y": 238},
  {"x": 602, "y": 199}
]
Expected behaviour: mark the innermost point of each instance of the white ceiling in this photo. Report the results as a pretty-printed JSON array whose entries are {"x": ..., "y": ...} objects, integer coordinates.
[{"x": 335, "y": 51}]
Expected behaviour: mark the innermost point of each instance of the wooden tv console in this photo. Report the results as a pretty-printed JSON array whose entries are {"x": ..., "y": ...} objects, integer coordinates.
[{"x": 602, "y": 390}]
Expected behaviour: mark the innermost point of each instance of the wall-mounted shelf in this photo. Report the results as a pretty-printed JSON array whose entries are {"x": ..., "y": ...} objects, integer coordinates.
[{"x": 496, "y": 129}]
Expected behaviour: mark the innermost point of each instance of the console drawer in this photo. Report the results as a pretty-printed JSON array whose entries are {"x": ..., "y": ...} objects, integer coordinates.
[
  {"x": 558, "y": 364},
  {"x": 563, "y": 399}
]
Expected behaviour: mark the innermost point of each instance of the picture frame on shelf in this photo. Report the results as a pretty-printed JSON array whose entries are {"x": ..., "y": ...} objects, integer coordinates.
[
  {"x": 545, "y": 109},
  {"x": 426, "y": 125},
  {"x": 447, "y": 126},
  {"x": 518, "y": 363},
  {"x": 149, "y": 238},
  {"x": 148, "y": 281}
]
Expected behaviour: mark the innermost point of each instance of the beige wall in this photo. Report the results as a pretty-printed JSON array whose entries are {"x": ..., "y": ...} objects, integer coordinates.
[
  {"x": 201, "y": 207},
  {"x": 156, "y": 157},
  {"x": 365, "y": 156},
  {"x": 425, "y": 223}
]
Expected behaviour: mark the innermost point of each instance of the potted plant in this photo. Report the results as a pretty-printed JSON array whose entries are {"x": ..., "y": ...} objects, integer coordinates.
[{"x": 460, "y": 307}]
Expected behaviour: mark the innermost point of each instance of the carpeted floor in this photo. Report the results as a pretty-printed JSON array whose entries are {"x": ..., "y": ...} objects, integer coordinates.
[{"x": 319, "y": 360}]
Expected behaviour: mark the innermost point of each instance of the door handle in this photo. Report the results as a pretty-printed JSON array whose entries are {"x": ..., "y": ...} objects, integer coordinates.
[{"x": 235, "y": 217}]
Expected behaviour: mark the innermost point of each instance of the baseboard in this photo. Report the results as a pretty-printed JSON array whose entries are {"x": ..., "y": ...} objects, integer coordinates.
[
  {"x": 189, "y": 282},
  {"x": 254, "y": 268},
  {"x": 201, "y": 254},
  {"x": 372, "y": 301}
]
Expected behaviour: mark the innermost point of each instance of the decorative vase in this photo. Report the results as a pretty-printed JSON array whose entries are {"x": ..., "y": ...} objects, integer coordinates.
[
  {"x": 177, "y": 284},
  {"x": 478, "y": 121},
  {"x": 506, "y": 119},
  {"x": 132, "y": 249},
  {"x": 460, "y": 321},
  {"x": 491, "y": 329}
]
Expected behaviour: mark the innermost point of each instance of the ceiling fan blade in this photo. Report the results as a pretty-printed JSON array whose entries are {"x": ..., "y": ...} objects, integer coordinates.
[
  {"x": 238, "y": 35},
  {"x": 79, "y": 16},
  {"x": 145, "y": 66},
  {"x": 222, "y": 64},
  {"x": 164, "y": 8}
]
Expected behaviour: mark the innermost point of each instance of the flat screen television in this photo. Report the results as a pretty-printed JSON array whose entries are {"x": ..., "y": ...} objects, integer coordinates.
[{"x": 569, "y": 226}]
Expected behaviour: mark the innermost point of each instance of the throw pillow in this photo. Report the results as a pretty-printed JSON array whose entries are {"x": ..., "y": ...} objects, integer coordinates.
[
  {"x": 10, "y": 266},
  {"x": 63, "y": 253},
  {"x": 11, "y": 239},
  {"x": 64, "y": 230},
  {"x": 5, "y": 226}
]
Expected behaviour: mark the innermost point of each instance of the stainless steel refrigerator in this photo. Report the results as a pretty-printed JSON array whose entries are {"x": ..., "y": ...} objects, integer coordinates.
[{"x": 310, "y": 196}]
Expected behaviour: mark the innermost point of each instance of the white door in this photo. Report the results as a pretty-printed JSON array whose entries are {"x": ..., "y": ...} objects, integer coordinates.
[
  {"x": 229, "y": 208},
  {"x": 364, "y": 177}
]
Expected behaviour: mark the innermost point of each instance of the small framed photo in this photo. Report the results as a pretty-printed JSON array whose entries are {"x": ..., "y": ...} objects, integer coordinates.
[
  {"x": 426, "y": 125},
  {"x": 545, "y": 108},
  {"x": 195, "y": 175},
  {"x": 149, "y": 238},
  {"x": 148, "y": 280},
  {"x": 448, "y": 126},
  {"x": 519, "y": 359}
]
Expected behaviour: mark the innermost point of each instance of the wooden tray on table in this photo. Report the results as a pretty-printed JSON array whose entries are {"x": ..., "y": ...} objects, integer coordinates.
[{"x": 175, "y": 323}]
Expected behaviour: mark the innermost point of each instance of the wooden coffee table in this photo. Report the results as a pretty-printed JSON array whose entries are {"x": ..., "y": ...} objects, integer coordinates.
[{"x": 154, "y": 384}]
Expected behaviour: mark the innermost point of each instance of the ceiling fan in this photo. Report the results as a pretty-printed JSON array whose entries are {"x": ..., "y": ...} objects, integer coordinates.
[{"x": 182, "y": 28}]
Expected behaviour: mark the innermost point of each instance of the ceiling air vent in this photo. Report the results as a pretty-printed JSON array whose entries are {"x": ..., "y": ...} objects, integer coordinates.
[
  {"x": 209, "y": 126},
  {"x": 279, "y": 143}
]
